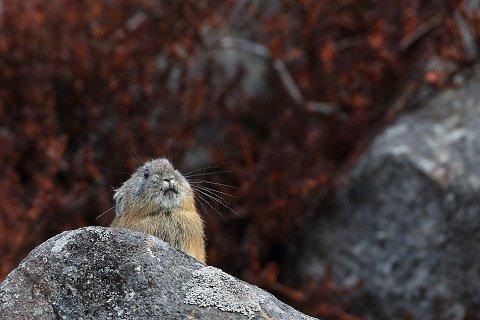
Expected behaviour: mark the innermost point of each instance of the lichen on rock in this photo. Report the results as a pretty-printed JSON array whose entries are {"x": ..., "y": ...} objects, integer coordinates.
[
  {"x": 211, "y": 287},
  {"x": 112, "y": 273}
]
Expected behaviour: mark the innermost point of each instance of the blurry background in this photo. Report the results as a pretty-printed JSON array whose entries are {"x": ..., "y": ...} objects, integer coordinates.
[{"x": 273, "y": 100}]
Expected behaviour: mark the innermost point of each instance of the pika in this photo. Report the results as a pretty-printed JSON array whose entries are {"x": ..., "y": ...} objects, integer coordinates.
[{"x": 158, "y": 200}]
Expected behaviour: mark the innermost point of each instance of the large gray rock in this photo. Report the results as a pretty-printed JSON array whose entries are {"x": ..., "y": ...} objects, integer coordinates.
[
  {"x": 407, "y": 225},
  {"x": 105, "y": 273}
]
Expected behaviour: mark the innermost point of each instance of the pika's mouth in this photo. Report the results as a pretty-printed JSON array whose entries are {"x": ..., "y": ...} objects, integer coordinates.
[{"x": 170, "y": 191}]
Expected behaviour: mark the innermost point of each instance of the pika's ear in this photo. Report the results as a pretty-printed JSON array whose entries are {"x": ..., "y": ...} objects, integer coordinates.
[{"x": 119, "y": 202}]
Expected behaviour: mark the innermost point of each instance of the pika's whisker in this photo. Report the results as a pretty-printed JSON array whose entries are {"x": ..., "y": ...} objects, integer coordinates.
[
  {"x": 215, "y": 191},
  {"x": 114, "y": 171},
  {"x": 215, "y": 183},
  {"x": 203, "y": 207},
  {"x": 212, "y": 196},
  {"x": 209, "y": 167},
  {"x": 105, "y": 212},
  {"x": 122, "y": 164},
  {"x": 216, "y": 199},
  {"x": 206, "y": 202},
  {"x": 170, "y": 153},
  {"x": 134, "y": 156},
  {"x": 205, "y": 174}
]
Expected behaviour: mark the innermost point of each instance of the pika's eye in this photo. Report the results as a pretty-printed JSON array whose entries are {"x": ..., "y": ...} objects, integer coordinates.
[{"x": 146, "y": 173}]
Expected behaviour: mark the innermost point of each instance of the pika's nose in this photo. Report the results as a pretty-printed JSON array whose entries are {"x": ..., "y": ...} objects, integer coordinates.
[{"x": 170, "y": 182}]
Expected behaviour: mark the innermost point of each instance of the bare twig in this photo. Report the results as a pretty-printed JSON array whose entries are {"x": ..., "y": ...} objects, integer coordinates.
[
  {"x": 419, "y": 32},
  {"x": 325, "y": 108},
  {"x": 347, "y": 43},
  {"x": 285, "y": 76},
  {"x": 288, "y": 82},
  {"x": 400, "y": 102},
  {"x": 245, "y": 45}
]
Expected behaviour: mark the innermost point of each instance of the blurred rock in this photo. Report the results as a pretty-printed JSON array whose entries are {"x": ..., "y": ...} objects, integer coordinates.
[
  {"x": 104, "y": 273},
  {"x": 238, "y": 77},
  {"x": 468, "y": 36},
  {"x": 231, "y": 58},
  {"x": 407, "y": 225},
  {"x": 467, "y": 30}
]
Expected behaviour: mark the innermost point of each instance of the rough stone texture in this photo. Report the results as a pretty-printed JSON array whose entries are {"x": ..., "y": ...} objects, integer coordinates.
[
  {"x": 105, "y": 273},
  {"x": 408, "y": 222}
]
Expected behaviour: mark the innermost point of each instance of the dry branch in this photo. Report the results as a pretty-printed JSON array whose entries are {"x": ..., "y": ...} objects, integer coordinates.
[
  {"x": 285, "y": 76},
  {"x": 419, "y": 32}
]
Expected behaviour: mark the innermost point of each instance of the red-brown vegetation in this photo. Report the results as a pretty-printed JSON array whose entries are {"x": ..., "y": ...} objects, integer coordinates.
[{"x": 86, "y": 86}]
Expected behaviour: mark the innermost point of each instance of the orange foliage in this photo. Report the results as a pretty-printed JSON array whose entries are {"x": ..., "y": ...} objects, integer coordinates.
[{"x": 88, "y": 86}]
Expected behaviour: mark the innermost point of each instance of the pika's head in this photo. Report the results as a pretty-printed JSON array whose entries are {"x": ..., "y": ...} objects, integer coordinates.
[{"x": 155, "y": 188}]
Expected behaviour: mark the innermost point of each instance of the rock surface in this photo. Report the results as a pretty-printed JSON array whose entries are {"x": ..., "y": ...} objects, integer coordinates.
[
  {"x": 407, "y": 225},
  {"x": 105, "y": 273}
]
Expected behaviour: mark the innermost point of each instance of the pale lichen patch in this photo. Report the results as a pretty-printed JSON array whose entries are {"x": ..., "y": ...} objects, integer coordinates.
[
  {"x": 211, "y": 287},
  {"x": 62, "y": 241}
]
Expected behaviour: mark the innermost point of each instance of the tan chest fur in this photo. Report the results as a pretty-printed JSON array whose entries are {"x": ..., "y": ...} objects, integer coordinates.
[{"x": 181, "y": 229}]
